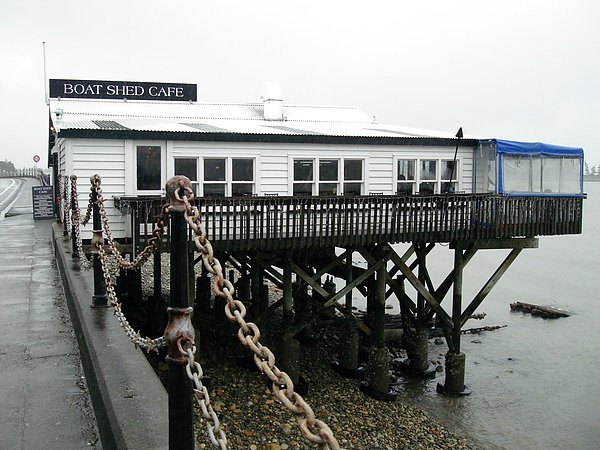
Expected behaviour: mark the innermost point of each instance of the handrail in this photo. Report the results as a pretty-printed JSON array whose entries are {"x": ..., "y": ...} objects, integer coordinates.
[{"x": 296, "y": 222}]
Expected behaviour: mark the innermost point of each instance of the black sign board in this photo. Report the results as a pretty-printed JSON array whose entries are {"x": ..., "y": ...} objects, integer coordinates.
[
  {"x": 43, "y": 206},
  {"x": 130, "y": 90}
]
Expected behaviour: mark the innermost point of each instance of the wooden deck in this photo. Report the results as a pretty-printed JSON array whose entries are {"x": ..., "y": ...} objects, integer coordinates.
[{"x": 273, "y": 223}]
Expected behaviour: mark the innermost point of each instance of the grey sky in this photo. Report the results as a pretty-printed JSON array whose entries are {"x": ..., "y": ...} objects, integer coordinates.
[{"x": 521, "y": 70}]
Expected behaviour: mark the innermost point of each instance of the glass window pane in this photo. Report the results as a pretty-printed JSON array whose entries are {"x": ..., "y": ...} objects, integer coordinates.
[
  {"x": 536, "y": 174},
  {"x": 148, "y": 167},
  {"x": 551, "y": 175},
  {"x": 405, "y": 188},
  {"x": 238, "y": 189},
  {"x": 427, "y": 188},
  {"x": 303, "y": 170},
  {"x": 214, "y": 169},
  {"x": 303, "y": 188},
  {"x": 353, "y": 188},
  {"x": 448, "y": 188},
  {"x": 571, "y": 176},
  {"x": 242, "y": 169},
  {"x": 406, "y": 169},
  {"x": 328, "y": 188},
  {"x": 328, "y": 170},
  {"x": 353, "y": 169},
  {"x": 448, "y": 171},
  {"x": 214, "y": 190},
  {"x": 428, "y": 169},
  {"x": 187, "y": 167},
  {"x": 517, "y": 172}
]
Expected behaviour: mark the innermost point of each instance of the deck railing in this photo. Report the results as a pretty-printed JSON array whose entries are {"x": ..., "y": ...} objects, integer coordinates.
[{"x": 270, "y": 223}]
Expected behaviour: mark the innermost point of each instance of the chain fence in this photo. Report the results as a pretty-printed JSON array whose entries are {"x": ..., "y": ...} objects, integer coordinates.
[{"x": 313, "y": 429}]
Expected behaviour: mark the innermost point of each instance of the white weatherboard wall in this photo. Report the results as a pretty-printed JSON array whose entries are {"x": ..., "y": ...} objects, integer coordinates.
[
  {"x": 274, "y": 161},
  {"x": 107, "y": 159},
  {"x": 115, "y": 162}
]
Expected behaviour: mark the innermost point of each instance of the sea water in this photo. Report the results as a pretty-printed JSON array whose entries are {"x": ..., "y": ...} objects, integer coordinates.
[{"x": 535, "y": 382}]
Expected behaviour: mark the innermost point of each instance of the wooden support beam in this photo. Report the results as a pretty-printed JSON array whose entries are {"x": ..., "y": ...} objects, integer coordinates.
[
  {"x": 308, "y": 279},
  {"x": 412, "y": 279},
  {"x": 366, "y": 274},
  {"x": 337, "y": 261},
  {"x": 445, "y": 286},
  {"x": 498, "y": 244},
  {"x": 485, "y": 290},
  {"x": 457, "y": 300}
]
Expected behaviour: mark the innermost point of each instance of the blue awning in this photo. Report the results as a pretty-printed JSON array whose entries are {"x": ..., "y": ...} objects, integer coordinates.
[{"x": 536, "y": 148}]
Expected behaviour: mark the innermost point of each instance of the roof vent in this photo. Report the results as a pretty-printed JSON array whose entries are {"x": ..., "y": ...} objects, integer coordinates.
[{"x": 270, "y": 94}]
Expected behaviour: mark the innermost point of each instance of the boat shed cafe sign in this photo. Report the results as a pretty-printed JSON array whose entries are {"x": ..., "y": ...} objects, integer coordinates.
[{"x": 130, "y": 90}]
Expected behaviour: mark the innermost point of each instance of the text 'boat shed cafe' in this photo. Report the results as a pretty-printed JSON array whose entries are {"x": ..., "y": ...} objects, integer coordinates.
[{"x": 304, "y": 189}]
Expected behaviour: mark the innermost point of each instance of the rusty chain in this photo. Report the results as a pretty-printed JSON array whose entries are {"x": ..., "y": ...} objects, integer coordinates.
[
  {"x": 66, "y": 205},
  {"x": 314, "y": 430},
  {"x": 75, "y": 220},
  {"x": 145, "y": 254},
  {"x": 194, "y": 373},
  {"x": 145, "y": 343}
]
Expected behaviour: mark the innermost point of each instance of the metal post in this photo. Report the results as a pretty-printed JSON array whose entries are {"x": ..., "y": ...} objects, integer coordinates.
[
  {"x": 181, "y": 430},
  {"x": 99, "y": 299}
]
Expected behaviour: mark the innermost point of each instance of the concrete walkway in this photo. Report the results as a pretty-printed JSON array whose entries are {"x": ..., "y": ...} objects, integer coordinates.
[{"x": 44, "y": 397}]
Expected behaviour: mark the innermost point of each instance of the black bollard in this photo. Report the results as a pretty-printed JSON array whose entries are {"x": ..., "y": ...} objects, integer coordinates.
[{"x": 181, "y": 430}]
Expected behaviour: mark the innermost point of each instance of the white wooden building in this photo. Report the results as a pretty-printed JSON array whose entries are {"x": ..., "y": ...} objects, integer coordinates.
[{"x": 264, "y": 148}]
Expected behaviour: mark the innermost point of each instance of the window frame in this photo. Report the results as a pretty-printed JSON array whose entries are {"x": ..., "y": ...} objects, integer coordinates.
[
  {"x": 163, "y": 167},
  {"x": 316, "y": 182},
  {"x": 438, "y": 181}
]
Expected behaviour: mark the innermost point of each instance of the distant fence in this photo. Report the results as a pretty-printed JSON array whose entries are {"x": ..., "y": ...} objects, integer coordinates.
[{"x": 29, "y": 173}]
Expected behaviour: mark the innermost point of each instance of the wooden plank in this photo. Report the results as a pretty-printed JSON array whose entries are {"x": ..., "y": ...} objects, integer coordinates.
[
  {"x": 485, "y": 290},
  {"x": 412, "y": 279},
  {"x": 309, "y": 280}
]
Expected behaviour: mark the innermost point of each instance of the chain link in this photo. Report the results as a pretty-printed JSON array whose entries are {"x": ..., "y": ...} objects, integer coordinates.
[
  {"x": 195, "y": 373},
  {"x": 66, "y": 205},
  {"x": 75, "y": 220},
  {"x": 314, "y": 430}
]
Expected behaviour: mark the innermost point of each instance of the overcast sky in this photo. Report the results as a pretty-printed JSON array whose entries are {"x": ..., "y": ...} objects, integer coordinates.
[{"x": 520, "y": 70}]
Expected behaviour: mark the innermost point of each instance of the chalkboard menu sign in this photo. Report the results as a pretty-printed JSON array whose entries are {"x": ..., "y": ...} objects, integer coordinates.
[{"x": 43, "y": 206}]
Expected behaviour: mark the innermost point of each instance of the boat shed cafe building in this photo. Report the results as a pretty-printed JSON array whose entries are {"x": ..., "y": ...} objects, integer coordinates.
[
  {"x": 137, "y": 135},
  {"x": 290, "y": 190}
]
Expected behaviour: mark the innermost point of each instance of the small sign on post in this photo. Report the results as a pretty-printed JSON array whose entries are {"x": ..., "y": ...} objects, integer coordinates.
[
  {"x": 36, "y": 158},
  {"x": 43, "y": 206}
]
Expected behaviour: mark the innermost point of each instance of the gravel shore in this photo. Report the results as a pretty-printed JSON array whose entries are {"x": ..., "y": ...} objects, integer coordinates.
[{"x": 253, "y": 418}]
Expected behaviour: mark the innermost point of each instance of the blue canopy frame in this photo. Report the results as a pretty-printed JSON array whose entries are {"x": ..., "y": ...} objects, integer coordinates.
[{"x": 505, "y": 148}]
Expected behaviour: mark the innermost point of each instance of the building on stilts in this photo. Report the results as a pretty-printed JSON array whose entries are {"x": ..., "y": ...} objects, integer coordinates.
[{"x": 295, "y": 195}]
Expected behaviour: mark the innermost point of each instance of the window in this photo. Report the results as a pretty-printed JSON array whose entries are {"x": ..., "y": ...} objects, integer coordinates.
[
  {"x": 353, "y": 176},
  {"x": 148, "y": 165},
  {"x": 188, "y": 167},
  {"x": 219, "y": 177},
  {"x": 426, "y": 176},
  {"x": 329, "y": 179},
  {"x": 303, "y": 176},
  {"x": 328, "y": 176},
  {"x": 242, "y": 176},
  {"x": 535, "y": 174},
  {"x": 449, "y": 178},
  {"x": 406, "y": 177},
  {"x": 214, "y": 177}
]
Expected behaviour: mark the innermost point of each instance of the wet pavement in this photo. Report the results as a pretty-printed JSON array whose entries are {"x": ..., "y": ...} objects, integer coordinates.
[{"x": 44, "y": 397}]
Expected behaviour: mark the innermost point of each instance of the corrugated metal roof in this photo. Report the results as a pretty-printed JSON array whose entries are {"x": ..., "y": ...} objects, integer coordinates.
[{"x": 198, "y": 118}]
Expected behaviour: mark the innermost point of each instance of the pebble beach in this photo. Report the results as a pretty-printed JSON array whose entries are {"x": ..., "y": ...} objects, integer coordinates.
[{"x": 253, "y": 418}]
